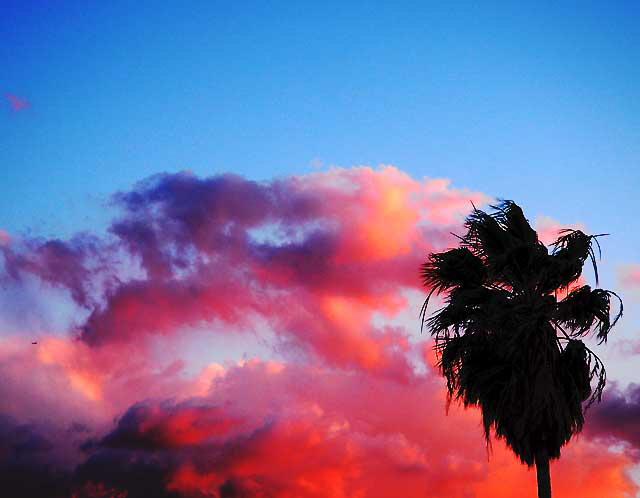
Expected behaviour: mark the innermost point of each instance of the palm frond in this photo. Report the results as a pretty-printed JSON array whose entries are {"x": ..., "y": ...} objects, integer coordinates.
[
  {"x": 473, "y": 309},
  {"x": 507, "y": 244},
  {"x": 485, "y": 236},
  {"x": 453, "y": 268},
  {"x": 449, "y": 270},
  {"x": 580, "y": 367},
  {"x": 571, "y": 250},
  {"x": 586, "y": 309},
  {"x": 515, "y": 223}
]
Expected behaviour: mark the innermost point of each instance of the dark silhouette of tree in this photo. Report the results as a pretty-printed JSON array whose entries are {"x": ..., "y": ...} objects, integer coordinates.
[{"x": 508, "y": 337}]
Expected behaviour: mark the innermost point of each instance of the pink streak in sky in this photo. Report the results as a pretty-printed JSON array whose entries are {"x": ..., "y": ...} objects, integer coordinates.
[{"x": 17, "y": 104}]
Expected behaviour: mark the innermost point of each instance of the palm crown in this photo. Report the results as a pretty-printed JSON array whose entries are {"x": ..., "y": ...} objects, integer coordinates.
[{"x": 506, "y": 342}]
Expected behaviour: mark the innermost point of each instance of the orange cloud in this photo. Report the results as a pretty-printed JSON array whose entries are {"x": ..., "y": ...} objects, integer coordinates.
[
  {"x": 303, "y": 432},
  {"x": 321, "y": 269},
  {"x": 586, "y": 469}
]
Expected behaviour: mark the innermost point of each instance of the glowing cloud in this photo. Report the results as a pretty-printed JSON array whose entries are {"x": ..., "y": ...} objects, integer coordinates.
[{"x": 321, "y": 269}]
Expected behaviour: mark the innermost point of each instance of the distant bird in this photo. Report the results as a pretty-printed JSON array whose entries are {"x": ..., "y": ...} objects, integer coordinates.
[{"x": 35, "y": 342}]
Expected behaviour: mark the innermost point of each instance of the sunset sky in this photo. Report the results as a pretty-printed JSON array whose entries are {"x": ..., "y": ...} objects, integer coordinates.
[{"x": 213, "y": 217}]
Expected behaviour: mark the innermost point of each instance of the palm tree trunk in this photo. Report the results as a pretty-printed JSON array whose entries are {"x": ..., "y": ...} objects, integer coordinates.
[{"x": 542, "y": 473}]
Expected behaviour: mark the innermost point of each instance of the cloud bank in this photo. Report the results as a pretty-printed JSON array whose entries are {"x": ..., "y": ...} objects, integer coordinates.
[{"x": 322, "y": 271}]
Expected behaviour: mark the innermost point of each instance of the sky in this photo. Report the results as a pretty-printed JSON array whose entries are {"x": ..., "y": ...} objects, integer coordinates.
[{"x": 212, "y": 219}]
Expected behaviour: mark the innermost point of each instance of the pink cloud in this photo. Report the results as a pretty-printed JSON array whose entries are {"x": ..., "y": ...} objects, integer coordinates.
[
  {"x": 282, "y": 430},
  {"x": 5, "y": 238},
  {"x": 549, "y": 229},
  {"x": 325, "y": 263},
  {"x": 339, "y": 247},
  {"x": 276, "y": 430},
  {"x": 17, "y": 104},
  {"x": 629, "y": 275}
]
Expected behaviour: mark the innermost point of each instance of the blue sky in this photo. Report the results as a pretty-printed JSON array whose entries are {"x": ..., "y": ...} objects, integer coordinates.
[{"x": 537, "y": 102}]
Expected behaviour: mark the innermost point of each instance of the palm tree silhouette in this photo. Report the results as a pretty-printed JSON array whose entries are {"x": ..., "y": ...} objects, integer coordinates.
[{"x": 507, "y": 339}]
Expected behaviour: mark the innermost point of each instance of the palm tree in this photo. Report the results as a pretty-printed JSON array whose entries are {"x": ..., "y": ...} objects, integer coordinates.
[{"x": 508, "y": 337}]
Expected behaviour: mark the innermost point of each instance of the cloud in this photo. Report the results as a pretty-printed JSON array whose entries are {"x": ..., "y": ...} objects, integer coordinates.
[
  {"x": 33, "y": 462},
  {"x": 17, "y": 104},
  {"x": 271, "y": 429},
  {"x": 629, "y": 276},
  {"x": 268, "y": 429},
  {"x": 314, "y": 256},
  {"x": 617, "y": 417},
  {"x": 64, "y": 264},
  {"x": 549, "y": 229},
  {"x": 322, "y": 271},
  {"x": 626, "y": 347},
  {"x": 5, "y": 238}
]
